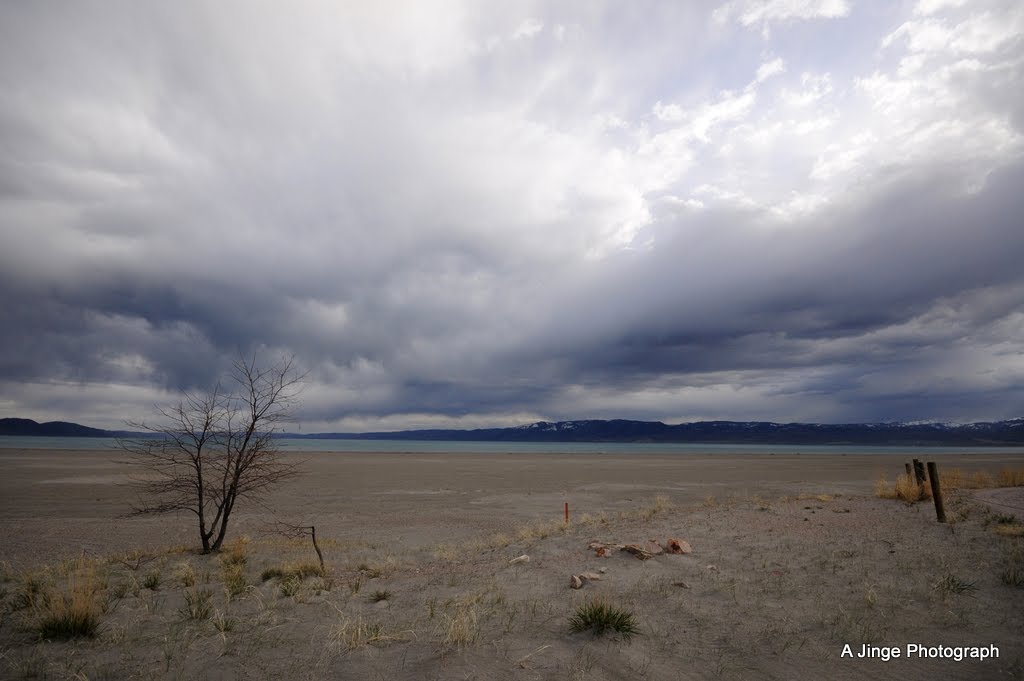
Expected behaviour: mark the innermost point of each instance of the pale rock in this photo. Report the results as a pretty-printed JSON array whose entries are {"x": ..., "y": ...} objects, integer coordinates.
[{"x": 677, "y": 546}]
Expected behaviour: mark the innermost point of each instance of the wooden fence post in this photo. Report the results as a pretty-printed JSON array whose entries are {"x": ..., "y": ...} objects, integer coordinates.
[
  {"x": 919, "y": 471},
  {"x": 933, "y": 474},
  {"x": 910, "y": 473}
]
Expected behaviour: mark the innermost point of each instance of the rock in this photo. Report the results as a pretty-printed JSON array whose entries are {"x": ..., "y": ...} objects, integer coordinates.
[
  {"x": 677, "y": 546},
  {"x": 712, "y": 568},
  {"x": 590, "y": 576},
  {"x": 602, "y": 570},
  {"x": 642, "y": 554},
  {"x": 681, "y": 585},
  {"x": 575, "y": 582},
  {"x": 519, "y": 559},
  {"x": 654, "y": 548},
  {"x": 603, "y": 549}
]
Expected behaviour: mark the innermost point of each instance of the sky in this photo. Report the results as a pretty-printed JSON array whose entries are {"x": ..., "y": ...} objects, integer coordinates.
[{"x": 464, "y": 214}]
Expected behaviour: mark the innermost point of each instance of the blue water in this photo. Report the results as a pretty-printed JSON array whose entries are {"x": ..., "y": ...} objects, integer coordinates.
[{"x": 425, "y": 446}]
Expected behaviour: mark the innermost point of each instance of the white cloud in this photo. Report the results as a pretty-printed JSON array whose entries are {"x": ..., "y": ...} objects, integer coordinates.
[
  {"x": 769, "y": 69},
  {"x": 730, "y": 107},
  {"x": 976, "y": 34},
  {"x": 813, "y": 88},
  {"x": 668, "y": 112},
  {"x": 751, "y": 12},
  {"x": 528, "y": 29},
  {"x": 926, "y": 7}
]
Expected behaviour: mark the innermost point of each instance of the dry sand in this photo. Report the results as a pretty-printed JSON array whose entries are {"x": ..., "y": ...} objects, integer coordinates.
[{"x": 792, "y": 559}]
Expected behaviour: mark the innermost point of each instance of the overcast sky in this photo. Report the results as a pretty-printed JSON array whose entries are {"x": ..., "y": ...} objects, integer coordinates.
[{"x": 463, "y": 214}]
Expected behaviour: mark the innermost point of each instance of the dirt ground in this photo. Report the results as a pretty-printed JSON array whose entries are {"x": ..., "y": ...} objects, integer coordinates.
[{"x": 793, "y": 558}]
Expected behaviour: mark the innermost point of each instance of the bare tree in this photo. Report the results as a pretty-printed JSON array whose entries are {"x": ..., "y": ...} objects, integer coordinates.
[{"x": 215, "y": 448}]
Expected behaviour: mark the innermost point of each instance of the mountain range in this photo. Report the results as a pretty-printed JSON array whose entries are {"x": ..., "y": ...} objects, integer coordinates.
[{"x": 995, "y": 433}]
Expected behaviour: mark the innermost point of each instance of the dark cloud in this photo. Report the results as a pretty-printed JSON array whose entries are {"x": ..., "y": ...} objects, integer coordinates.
[{"x": 541, "y": 212}]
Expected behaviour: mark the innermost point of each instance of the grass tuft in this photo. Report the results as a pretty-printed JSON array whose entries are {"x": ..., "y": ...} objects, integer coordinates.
[
  {"x": 292, "y": 570},
  {"x": 600, "y": 617},
  {"x": 951, "y": 584},
  {"x": 290, "y": 586},
  {"x": 380, "y": 595},
  {"x": 461, "y": 626},
  {"x": 355, "y": 633},
  {"x": 185, "y": 574},
  {"x": 151, "y": 581},
  {"x": 235, "y": 553},
  {"x": 198, "y": 605},
  {"x": 235, "y": 582},
  {"x": 1010, "y": 530},
  {"x": 1013, "y": 573}
]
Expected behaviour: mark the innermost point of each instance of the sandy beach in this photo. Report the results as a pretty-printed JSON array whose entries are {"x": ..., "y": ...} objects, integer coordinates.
[{"x": 793, "y": 557}]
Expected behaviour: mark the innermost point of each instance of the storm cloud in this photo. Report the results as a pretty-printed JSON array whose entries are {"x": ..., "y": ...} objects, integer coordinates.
[{"x": 454, "y": 214}]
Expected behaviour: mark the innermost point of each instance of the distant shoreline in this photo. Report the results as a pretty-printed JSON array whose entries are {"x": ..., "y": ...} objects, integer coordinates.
[
  {"x": 621, "y": 431},
  {"x": 355, "y": 446}
]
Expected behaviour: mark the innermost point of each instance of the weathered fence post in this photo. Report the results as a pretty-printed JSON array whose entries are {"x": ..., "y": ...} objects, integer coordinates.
[
  {"x": 919, "y": 471},
  {"x": 910, "y": 473},
  {"x": 933, "y": 475}
]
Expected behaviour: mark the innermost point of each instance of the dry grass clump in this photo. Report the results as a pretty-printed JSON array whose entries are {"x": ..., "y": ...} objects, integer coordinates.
[
  {"x": 297, "y": 571},
  {"x": 233, "y": 560},
  {"x": 68, "y": 613},
  {"x": 660, "y": 505},
  {"x": 185, "y": 574},
  {"x": 235, "y": 581},
  {"x": 541, "y": 529},
  {"x": 352, "y": 634},
  {"x": 1006, "y": 525},
  {"x": 1013, "y": 571},
  {"x": 460, "y": 625},
  {"x": 955, "y": 478},
  {"x": 1011, "y": 478},
  {"x": 236, "y": 552},
  {"x": 906, "y": 489},
  {"x": 198, "y": 605}
]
